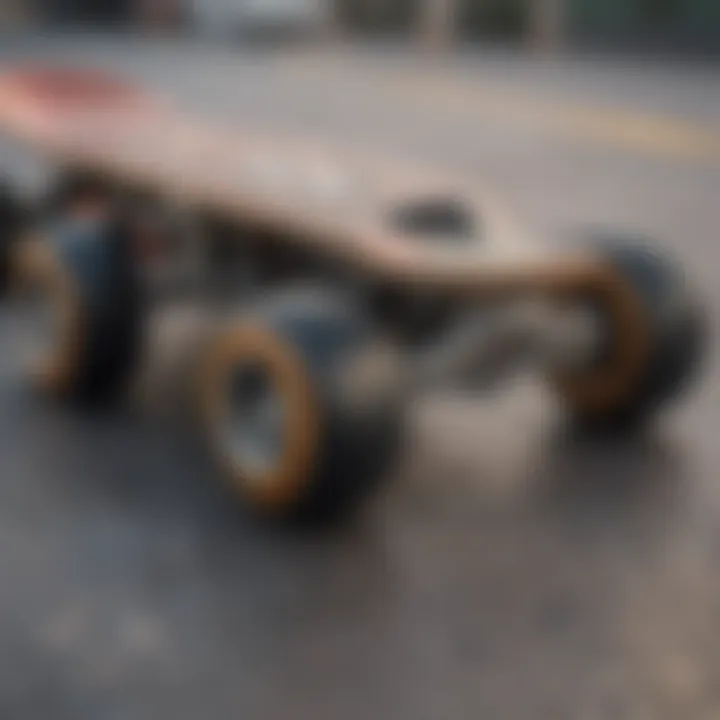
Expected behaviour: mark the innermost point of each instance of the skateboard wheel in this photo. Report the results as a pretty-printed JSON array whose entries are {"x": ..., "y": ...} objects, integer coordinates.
[
  {"x": 13, "y": 217},
  {"x": 83, "y": 308},
  {"x": 300, "y": 431},
  {"x": 654, "y": 323}
]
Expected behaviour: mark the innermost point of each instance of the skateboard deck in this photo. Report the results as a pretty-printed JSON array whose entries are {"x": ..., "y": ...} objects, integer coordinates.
[{"x": 341, "y": 202}]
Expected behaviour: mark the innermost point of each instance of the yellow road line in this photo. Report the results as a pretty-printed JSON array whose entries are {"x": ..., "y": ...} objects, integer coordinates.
[
  {"x": 637, "y": 132},
  {"x": 626, "y": 130}
]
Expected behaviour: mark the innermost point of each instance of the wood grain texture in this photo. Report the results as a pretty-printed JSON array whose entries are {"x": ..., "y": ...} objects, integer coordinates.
[{"x": 336, "y": 201}]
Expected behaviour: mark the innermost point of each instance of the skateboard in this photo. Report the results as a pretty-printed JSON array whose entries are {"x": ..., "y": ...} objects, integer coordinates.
[{"x": 351, "y": 282}]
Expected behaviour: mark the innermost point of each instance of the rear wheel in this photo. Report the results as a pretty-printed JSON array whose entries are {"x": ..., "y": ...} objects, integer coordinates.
[
  {"x": 13, "y": 218},
  {"x": 84, "y": 309},
  {"x": 300, "y": 404},
  {"x": 655, "y": 323}
]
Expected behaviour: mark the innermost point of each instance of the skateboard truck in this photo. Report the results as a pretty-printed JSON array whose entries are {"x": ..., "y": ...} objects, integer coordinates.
[{"x": 498, "y": 342}]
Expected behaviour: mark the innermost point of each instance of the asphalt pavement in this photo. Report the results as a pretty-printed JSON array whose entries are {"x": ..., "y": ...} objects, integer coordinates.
[{"x": 507, "y": 571}]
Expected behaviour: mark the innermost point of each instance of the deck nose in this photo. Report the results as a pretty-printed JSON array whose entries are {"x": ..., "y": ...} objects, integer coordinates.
[{"x": 61, "y": 88}]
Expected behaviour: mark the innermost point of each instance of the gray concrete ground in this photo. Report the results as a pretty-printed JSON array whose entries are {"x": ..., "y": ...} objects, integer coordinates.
[{"x": 505, "y": 572}]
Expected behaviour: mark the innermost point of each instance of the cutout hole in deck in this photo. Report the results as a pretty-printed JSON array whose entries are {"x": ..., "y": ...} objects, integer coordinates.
[{"x": 441, "y": 219}]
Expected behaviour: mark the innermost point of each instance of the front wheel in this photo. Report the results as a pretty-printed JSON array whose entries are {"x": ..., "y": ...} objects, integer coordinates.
[{"x": 300, "y": 404}]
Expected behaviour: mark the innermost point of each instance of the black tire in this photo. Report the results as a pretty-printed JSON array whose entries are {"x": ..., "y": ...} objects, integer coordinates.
[
  {"x": 84, "y": 269},
  {"x": 675, "y": 329},
  {"x": 346, "y": 421},
  {"x": 13, "y": 219}
]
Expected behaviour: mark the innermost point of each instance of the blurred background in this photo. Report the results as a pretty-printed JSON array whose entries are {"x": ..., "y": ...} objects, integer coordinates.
[
  {"x": 509, "y": 570},
  {"x": 689, "y": 25}
]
